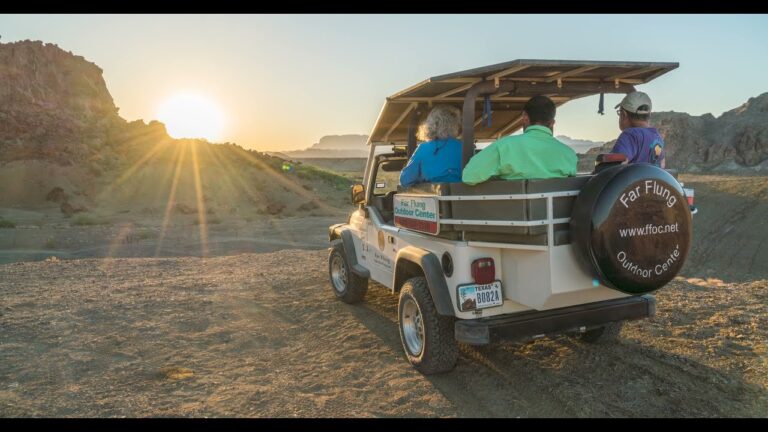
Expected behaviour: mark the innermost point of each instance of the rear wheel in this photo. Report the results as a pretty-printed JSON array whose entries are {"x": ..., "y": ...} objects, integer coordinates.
[
  {"x": 427, "y": 337},
  {"x": 607, "y": 333},
  {"x": 346, "y": 285}
]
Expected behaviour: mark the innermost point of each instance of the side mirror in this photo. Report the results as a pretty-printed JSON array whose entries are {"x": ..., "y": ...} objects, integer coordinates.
[{"x": 358, "y": 194}]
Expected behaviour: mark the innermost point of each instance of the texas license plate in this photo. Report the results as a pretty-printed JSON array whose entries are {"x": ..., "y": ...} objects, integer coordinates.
[{"x": 476, "y": 296}]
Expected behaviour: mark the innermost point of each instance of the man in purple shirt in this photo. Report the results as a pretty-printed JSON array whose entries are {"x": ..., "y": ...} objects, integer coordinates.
[{"x": 638, "y": 141}]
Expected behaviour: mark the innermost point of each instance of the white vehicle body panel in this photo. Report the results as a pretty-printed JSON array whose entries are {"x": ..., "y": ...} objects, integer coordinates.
[{"x": 532, "y": 277}]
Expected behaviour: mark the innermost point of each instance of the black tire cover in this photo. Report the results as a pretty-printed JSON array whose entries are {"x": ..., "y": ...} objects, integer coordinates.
[{"x": 631, "y": 226}]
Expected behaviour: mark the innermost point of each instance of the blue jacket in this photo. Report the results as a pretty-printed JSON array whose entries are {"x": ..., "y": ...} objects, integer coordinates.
[{"x": 434, "y": 162}]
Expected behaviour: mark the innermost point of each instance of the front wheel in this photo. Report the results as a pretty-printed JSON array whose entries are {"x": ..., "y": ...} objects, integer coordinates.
[
  {"x": 347, "y": 286},
  {"x": 427, "y": 337}
]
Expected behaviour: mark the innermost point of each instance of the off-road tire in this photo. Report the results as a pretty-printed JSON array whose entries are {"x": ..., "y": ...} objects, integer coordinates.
[
  {"x": 439, "y": 349},
  {"x": 348, "y": 287},
  {"x": 604, "y": 334}
]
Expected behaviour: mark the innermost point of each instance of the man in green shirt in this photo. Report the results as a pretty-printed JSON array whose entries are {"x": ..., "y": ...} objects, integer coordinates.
[{"x": 535, "y": 154}]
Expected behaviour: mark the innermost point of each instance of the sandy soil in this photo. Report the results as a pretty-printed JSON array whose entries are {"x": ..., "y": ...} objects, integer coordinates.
[
  {"x": 731, "y": 229},
  {"x": 262, "y": 335},
  {"x": 147, "y": 237}
]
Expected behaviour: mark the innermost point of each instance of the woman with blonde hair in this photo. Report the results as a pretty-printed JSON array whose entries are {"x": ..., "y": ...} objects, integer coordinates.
[{"x": 438, "y": 159}]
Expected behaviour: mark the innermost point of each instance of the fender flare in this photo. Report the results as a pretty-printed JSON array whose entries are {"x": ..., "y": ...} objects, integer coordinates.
[
  {"x": 336, "y": 232},
  {"x": 433, "y": 272}
]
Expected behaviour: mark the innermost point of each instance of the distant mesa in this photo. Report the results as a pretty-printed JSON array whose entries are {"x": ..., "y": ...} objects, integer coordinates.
[
  {"x": 354, "y": 146},
  {"x": 579, "y": 145},
  {"x": 341, "y": 142},
  {"x": 332, "y": 146}
]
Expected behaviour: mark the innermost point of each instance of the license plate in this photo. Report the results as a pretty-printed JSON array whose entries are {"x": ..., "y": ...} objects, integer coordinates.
[{"x": 476, "y": 296}]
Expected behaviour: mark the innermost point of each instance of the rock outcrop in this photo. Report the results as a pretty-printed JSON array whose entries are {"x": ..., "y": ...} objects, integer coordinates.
[
  {"x": 737, "y": 141},
  {"x": 60, "y": 128}
]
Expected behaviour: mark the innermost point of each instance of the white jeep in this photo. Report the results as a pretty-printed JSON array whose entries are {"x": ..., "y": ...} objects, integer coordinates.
[{"x": 509, "y": 259}]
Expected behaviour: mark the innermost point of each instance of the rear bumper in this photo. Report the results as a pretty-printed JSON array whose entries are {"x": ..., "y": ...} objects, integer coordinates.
[{"x": 526, "y": 324}]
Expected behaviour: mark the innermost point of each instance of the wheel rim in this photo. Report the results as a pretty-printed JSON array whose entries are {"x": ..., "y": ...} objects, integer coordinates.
[
  {"x": 413, "y": 328},
  {"x": 339, "y": 274}
]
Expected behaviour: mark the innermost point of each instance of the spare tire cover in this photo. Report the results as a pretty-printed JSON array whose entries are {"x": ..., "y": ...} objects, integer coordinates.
[{"x": 631, "y": 225}]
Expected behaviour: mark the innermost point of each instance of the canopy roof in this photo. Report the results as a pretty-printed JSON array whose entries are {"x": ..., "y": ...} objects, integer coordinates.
[{"x": 561, "y": 80}]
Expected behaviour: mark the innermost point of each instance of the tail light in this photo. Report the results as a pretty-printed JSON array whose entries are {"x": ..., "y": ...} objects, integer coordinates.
[
  {"x": 483, "y": 271},
  {"x": 689, "y": 195}
]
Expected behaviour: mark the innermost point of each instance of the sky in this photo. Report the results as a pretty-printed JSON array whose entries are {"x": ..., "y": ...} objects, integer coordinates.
[{"x": 282, "y": 82}]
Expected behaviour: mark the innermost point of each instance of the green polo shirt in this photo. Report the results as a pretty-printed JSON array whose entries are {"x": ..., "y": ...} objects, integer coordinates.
[{"x": 535, "y": 154}]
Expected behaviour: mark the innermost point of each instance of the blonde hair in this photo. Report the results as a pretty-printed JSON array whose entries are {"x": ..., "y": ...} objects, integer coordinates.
[{"x": 442, "y": 122}]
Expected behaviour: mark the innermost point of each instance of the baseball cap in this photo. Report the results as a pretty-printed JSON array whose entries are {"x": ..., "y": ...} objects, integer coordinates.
[{"x": 636, "y": 102}]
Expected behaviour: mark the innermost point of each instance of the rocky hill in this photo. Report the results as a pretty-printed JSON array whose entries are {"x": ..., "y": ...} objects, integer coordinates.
[
  {"x": 63, "y": 141},
  {"x": 735, "y": 142},
  {"x": 54, "y": 105}
]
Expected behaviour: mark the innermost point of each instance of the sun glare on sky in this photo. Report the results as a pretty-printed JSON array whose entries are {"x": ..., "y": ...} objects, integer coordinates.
[{"x": 189, "y": 115}]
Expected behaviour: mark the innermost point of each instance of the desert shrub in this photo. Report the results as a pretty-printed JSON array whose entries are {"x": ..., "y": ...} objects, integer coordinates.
[
  {"x": 51, "y": 244},
  {"x": 210, "y": 221},
  {"x": 310, "y": 205},
  {"x": 184, "y": 209},
  {"x": 57, "y": 195},
  {"x": 86, "y": 220},
  {"x": 4, "y": 223},
  {"x": 311, "y": 173},
  {"x": 144, "y": 234}
]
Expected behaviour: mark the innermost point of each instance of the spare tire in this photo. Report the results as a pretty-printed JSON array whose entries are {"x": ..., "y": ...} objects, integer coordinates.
[{"x": 631, "y": 225}]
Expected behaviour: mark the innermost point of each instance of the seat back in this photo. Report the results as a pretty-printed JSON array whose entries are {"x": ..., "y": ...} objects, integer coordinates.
[
  {"x": 490, "y": 210},
  {"x": 561, "y": 206},
  {"x": 504, "y": 210}
]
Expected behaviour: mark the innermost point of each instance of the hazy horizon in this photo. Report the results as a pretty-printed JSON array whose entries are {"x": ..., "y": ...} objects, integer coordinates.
[{"x": 281, "y": 82}]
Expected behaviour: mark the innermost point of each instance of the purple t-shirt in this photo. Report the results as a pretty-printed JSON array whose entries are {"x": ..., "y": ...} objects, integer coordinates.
[{"x": 641, "y": 145}]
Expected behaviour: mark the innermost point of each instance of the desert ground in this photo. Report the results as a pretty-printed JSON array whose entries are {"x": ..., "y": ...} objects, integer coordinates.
[
  {"x": 239, "y": 320},
  {"x": 147, "y": 238}
]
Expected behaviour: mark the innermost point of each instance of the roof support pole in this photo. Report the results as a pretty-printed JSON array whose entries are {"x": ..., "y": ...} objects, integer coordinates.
[
  {"x": 468, "y": 113},
  {"x": 369, "y": 163},
  {"x": 412, "y": 128},
  {"x": 521, "y": 89},
  {"x": 399, "y": 120}
]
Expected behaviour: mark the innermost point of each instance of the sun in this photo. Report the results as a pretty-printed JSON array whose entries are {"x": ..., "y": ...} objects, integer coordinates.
[{"x": 189, "y": 115}]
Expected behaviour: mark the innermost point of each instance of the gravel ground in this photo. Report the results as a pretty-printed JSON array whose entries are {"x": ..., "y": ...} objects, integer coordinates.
[{"x": 261, "y": 335}]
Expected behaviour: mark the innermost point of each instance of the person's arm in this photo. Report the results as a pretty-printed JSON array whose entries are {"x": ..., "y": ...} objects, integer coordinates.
[
  {"x": 573, "y": 162},
  {"x": 411, "y": 174},
  {"x": 482, "y": 166},
  {"x": 625, "y": 144}
]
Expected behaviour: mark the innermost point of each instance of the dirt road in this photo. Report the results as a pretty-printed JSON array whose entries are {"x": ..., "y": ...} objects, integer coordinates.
[{"x": 261, "y": 335}]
